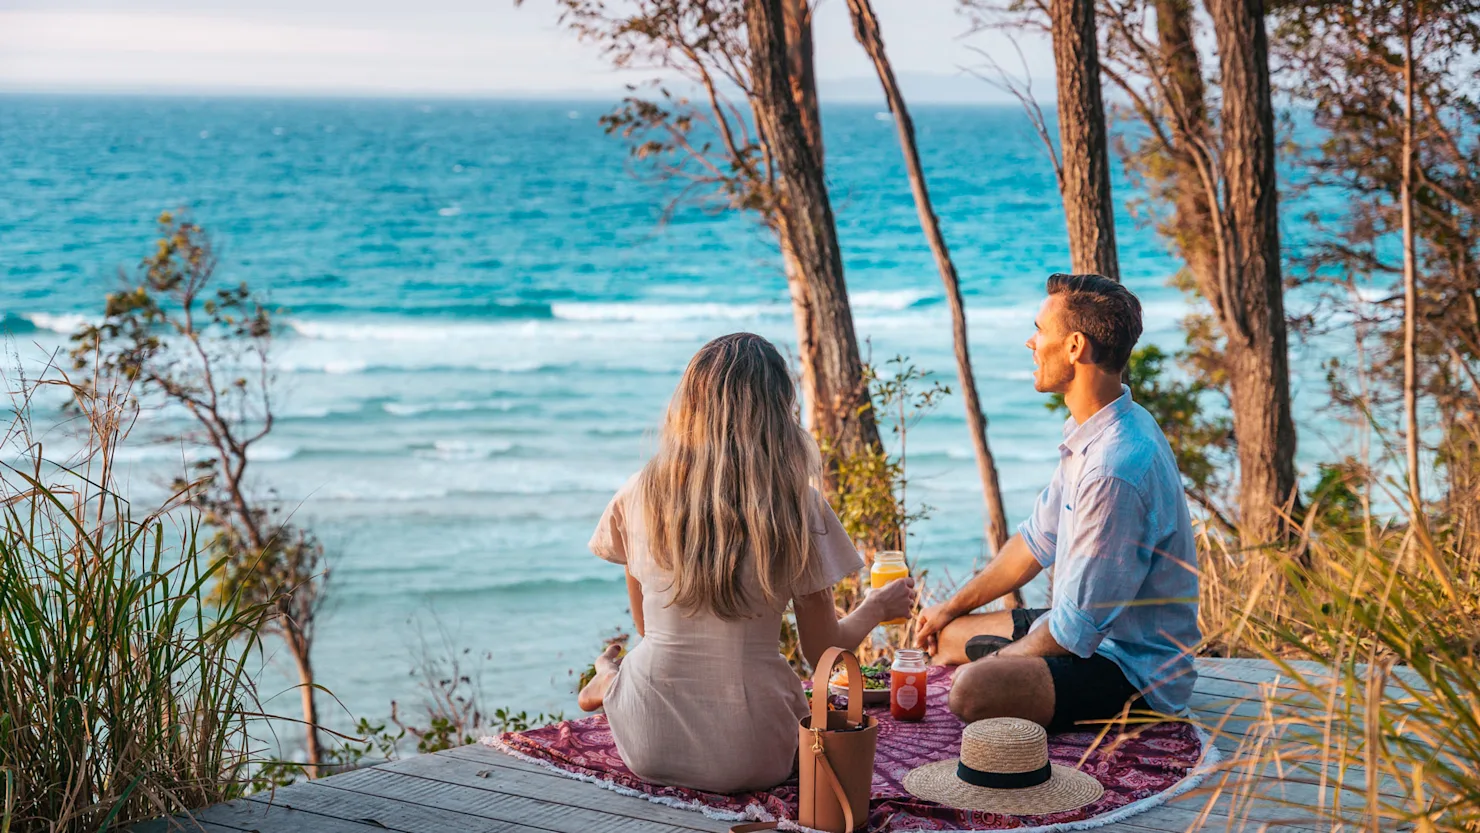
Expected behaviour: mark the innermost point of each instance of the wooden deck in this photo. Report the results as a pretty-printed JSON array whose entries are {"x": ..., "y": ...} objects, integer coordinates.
[{"x": 478, "y": 790}]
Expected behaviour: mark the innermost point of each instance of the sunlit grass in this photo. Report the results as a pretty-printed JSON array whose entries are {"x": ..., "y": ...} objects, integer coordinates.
[
  {"x": 1374, "y": 722},
  {"x": 123, "y": 694}
]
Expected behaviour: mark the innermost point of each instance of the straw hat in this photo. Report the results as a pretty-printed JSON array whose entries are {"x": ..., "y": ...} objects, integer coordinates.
[{"x": 1004, "y": 768}]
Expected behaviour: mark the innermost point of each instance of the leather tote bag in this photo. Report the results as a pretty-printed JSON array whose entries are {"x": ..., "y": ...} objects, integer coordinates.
[{"x": 835, "y": 755}]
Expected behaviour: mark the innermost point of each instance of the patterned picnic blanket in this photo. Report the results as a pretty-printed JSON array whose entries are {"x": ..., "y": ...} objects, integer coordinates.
[{"x": 1139, "y": 769}]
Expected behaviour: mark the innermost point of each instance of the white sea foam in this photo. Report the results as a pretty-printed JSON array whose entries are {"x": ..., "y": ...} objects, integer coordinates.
[
  {"x": 667, "y": 312},
  {"x": 375, "y": 331},
  {"x": 172, "y": 453},
  {"x": 160, "y": 454},
  {"x": 305, "y": 413},
  {"x": 418, "y": 408},
  {"x": 272, "y": 453},
  {"x": 345, "y": 366},
  {"x": 318, "y": 411},
  {"x": 455, "y": 450},
  {"x": 887, "y": 299},
  {"x": 65, "y": 323},
  {"x": 373, "y": 492}
]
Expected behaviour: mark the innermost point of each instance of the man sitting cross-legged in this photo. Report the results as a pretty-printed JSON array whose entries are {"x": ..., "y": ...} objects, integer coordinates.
[{"x": 1115, "y": 525}]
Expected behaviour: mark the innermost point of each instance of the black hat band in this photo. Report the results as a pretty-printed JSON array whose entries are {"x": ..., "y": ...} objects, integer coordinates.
[{"x": 1004, "y": 780}]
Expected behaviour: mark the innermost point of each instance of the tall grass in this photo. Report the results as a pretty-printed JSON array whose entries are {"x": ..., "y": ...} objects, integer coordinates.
[
  {"x": 1376, "y": 717},
  {"x": 123, "y": 694}
]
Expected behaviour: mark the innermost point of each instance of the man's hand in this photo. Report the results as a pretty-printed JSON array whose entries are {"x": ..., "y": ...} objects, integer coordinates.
[
  {"x": 928, "y": 625},
  {"x": 895, "y": 600}
]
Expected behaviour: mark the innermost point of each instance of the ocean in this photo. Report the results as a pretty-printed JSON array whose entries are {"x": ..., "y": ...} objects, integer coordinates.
[{"x": 488, "y": 306}]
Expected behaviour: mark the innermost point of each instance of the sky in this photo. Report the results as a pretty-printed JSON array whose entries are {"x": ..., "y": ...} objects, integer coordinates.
[{"x": 473, "y": 48}]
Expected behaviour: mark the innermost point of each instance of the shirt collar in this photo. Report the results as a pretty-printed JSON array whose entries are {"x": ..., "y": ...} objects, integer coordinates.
[{"x": 1078, "y": 436}]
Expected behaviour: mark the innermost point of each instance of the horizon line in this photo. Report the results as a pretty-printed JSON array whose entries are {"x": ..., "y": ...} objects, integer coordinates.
[{"x": 532, "y": 96}]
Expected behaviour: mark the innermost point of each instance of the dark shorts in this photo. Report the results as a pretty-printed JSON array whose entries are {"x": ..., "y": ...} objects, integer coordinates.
[{"x": 1084, "y": 689}]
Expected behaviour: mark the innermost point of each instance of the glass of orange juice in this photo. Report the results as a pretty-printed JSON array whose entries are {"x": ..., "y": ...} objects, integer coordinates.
[{"x": 888, "y": 566}]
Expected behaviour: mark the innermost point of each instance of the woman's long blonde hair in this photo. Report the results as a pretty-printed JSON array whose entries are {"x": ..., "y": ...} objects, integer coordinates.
[{"x": 729, "y": 488}]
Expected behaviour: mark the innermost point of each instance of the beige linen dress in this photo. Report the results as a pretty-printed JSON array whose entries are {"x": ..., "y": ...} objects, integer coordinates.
[{"x": 702, "y": 702}]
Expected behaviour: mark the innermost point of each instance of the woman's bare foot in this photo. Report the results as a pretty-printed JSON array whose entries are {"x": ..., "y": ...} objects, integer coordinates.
[{"x": 593, "y": 696}]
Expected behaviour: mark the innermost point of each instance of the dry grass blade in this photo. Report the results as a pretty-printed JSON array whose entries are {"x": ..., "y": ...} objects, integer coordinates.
[
  {"x": 1376, "y": 719},
  {"x": 123, "y": 691}
]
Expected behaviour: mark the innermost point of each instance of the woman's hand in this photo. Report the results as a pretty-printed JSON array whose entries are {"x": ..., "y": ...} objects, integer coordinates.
[
  {"x": 819, "y": 628},
  {"x": 928, "y": 625},
  {"x": 895, "y": 600}
]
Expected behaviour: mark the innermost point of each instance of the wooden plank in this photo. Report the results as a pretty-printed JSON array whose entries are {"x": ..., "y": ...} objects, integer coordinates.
[
  {"x": 495, "y": 806},
  {"x": 1172, "y": 821},
  {"x": 1288, "y": 801},
  {"x": 181, "y": 824},
  {"x": 568, "y": 789},
  {"x": 477, "y": 768},
  {"x": 1232, "y": 724},
  {"x": 318, "y": 798},
  {"x": 1265, "y": 671},
  {"x": 1184, "y": 816},
  {"x": 479, "y": 790},
  {"x": 256, "y": 814}
]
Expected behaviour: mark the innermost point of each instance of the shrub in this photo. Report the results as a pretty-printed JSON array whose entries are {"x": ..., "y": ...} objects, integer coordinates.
[
  {"x": 123, "y": 690},
  {"x": 1388, "y": 706}
]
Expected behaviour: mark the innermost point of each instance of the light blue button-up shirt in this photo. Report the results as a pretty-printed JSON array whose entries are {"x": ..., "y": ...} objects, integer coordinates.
[{"x": 1115, "y": 521}]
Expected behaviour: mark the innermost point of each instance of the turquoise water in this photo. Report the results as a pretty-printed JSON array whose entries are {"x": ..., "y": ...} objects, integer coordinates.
[{"x": 488, "y": 313}]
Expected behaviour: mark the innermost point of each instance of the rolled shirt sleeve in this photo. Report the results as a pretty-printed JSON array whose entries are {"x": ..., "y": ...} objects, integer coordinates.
[
  {"x": 1040, "y": 530},
  {"x": 1112, "y": 559}
]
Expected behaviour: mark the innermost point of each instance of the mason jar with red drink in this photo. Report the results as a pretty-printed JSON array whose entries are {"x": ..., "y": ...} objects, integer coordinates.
[{"x": 907, "y": 685}]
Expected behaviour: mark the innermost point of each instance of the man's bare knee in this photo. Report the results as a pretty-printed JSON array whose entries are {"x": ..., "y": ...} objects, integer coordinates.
[
  {"x": 976, "y": 691},
  {"x": 1003, "y": 687}
]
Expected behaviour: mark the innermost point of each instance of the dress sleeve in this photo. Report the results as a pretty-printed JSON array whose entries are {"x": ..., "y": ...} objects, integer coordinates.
[
  {"x": 833, "y": 556},
  {"x": 609, "y": 541}
]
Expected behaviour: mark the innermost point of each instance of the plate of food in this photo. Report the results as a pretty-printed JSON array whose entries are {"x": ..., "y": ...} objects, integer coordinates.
[{"x": 875, "y": 684}]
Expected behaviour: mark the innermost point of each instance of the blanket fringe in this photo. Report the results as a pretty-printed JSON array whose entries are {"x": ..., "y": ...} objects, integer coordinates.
[
  {"x": 754, "y": 812},
  {"x": 1191, "y": 781}
]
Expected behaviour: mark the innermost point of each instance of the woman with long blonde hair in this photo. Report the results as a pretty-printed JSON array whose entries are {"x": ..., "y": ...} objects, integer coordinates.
[{"x": 719, "y": 532}]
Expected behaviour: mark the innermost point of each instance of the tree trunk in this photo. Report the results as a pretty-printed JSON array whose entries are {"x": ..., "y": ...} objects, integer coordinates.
[
  {"x": 1194, "y": 234},
  {"x": 842, "y": 406},
  {"x": 801, "y": 314},
  {"x": 797, "y": 16},
  {"x": 1257, "y": 359},
  {"x": 866, "y": 28},
  {"x": 1085, "y": 181},
  {"x": 1410, "y": 275},
  {"x": 801, "y": 71},
  {"x": 298, "y": 647}
]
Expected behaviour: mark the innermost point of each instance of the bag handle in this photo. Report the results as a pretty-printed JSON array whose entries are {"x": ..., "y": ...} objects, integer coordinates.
[
  {"x": 832, "y": 781},
  {"x": 820, "y": 675}
]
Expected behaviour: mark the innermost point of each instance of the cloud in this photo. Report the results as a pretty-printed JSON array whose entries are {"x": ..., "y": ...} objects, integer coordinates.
[
  {"x": 143, "y": 50},
  {"x": 447, "y": 47}
]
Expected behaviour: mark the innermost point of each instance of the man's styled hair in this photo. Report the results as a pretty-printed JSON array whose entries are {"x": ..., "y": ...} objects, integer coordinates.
[{"x": 1106, "y": 312}]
